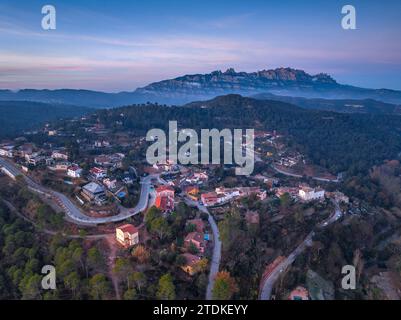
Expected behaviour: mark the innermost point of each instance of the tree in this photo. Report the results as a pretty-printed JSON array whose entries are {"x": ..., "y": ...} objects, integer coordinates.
[
  {"x": 65, "y": 268},
  {"x": 141, "y": 254},
  {"x": 160, "y": 227},
  {"x": 202, "y": 265},
  {"x": 30, "y": 287},
  {"x": 98, "y": 287},
  {"x": 130, "y": 294},
  {"x": 229, "y": 230},
  {"x": 77, "y": 257},
  {"x": 285, "y": 200},
  {"x": 166, "y": 289},
  {"x": 72, "y": 282},
  {"x": 122, "y": 268},
  {"x": 138, "y": 279},
  {"x": 181, "y": 260},
  {"x": 94, "y": 259},
  {"x": 224, "y": 286},
  {"x": 152, "y": 214}
]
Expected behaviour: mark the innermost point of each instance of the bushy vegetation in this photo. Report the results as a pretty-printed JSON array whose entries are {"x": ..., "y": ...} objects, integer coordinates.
[{"x": 80, "y": 270}]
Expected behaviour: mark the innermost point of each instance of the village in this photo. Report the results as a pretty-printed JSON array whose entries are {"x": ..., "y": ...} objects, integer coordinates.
[{"x": 102, "y": 174}]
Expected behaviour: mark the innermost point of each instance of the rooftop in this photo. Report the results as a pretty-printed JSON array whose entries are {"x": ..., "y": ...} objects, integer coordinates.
[
  {"x": 93, "y": 187},
  {"x": 128, "y": 228}
]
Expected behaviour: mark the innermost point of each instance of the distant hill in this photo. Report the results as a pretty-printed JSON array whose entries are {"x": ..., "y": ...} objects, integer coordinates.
[
  {"x": 337, "y": 141},
  {"x": 88, "y": 98},
  {"x": 343, "y": 106},
  {"x": 187, "y": 88},
  {"x": 17, "y": 116}
]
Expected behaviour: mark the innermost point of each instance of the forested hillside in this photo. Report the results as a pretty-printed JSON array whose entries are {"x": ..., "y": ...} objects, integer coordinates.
[
  {"x": 339, "y": 142},
  {"x": 17, "y": 116}
]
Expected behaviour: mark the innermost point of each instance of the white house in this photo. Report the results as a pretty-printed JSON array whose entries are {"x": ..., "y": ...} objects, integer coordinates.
[
  {"x": 74, "y": 172},
  {"x": 197, "y": 178},
  {"x": 60, "y": 155},
  {"x": 36, "y": 160},
  {"x": 6, "y": 151},
  {"x": 98, "y": 173},
  {"x": 102, "y": 144},
  {"x": 127, "y": 235},
  {"x": 309, "y": 194},
  {"x": 110, "y": 184},
  {"x": 52, "y": 133}
]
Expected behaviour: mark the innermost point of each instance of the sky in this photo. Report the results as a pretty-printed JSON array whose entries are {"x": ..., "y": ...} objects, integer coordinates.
[{"x": 122, "y": 45}]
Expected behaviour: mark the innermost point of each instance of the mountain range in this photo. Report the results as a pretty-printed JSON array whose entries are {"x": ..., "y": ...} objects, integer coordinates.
[{"x": 188, "y": 88}]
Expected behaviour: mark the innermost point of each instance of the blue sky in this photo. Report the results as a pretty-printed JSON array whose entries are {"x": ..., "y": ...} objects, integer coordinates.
[{"x": 121, "y": 45}]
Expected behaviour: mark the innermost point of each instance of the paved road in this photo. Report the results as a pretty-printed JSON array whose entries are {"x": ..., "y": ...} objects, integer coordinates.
[
  {"x": 52, "y": 232},
  {"x": 300, "y": 176},
  {"x": 267, "y": 286},
  {"x": 216, "y": 256},
  {"x": 73, "y": 212}
]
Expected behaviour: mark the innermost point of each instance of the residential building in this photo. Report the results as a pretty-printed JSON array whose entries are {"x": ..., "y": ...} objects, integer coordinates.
[
  {"x": 195, "y": 238},
  {"x": 98, "y": 173},
  {"x": 293, "y": 192},
  {"x": 25, "y": 149},
  {"x": 94, "y": 192},
  {"x": 164, "y": 203},
  {"x": 35, "y": 160},
  {"x": 7, "y": 151},
  {"x": 127, "y": 235},
  {"x": 114, "y": 160},
  {"x": 62, "y": 166},
  {"x": 74, "y": 171},
  {"x": 227, "y": 194},
  {"x": 310, "y": 194},
  {"x": 52, "y": 133},
  {"x": 102, "y": 144},
  {"x": 165, "y": 198},
  {"x": 167, "y": 191},
  {"x": 110, "y": 184},
  {"x": 209, "y": 199},
  {"x": 191, "y": 262},
  {"x": 197, "y": 178},
  {"x": 103, "y": 160},
  {"x": 60, "y": 155}
]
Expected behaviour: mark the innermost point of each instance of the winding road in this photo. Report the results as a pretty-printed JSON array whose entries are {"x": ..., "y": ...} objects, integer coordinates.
[
  {"x": 268, "y": 283},
  {"x": 74, "y": 214},
  {"x": 216, "y": 256},
  {"x": 300, "y": 176}
]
